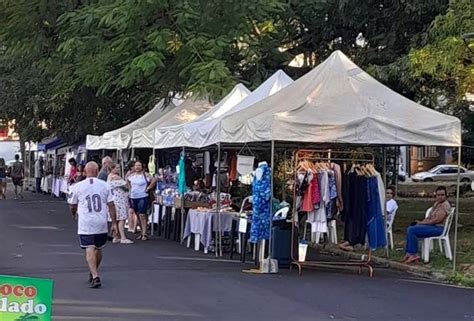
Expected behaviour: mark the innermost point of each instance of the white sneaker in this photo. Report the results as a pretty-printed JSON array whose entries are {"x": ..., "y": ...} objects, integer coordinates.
[
  {"x": 115, "y": 241},
  {"x": 126, "y": 241}
]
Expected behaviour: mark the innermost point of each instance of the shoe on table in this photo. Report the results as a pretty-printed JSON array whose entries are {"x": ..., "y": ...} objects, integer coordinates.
[
  {"x": 126, "y": 241},
  {"x": 96, "y": 283}
]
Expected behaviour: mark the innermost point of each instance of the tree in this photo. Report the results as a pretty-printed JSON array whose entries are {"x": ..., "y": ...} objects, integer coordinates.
[
  {"x": 23, "y": 99},
  {"x": 445, "y": 59},
  {"x": 101, "y": 63},
  {"x": 152, "y": 48},
  {"x": 445, "y": 66},
  {"x": 107, "y": 61}
]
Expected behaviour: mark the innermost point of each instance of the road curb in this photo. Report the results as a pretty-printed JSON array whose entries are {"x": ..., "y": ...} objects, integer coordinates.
[{"x": 419, "y": 271}]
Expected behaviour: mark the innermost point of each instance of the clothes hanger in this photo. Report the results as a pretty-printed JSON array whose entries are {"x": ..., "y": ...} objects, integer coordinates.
[
  {"x": 372, "y": 169},
  {"x": 300, "y": 166}
]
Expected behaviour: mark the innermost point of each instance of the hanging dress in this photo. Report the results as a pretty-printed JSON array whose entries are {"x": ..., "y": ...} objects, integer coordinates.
[
  {"x": 331, "y": 208},
  {"x": 261, "y": 216},
  {"x": 375, "y": 222},
  {"x": 312, "y": 194},
  {"x": 317, "y": 217},
  {"x": 182, "y": 176}
]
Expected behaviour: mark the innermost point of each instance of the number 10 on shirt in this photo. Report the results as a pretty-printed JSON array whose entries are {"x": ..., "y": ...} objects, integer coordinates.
[{"x": 94, "y": 203}]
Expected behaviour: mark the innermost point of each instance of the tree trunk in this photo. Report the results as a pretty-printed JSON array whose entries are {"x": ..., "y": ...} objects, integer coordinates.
[{"x": 24, "y": 159}]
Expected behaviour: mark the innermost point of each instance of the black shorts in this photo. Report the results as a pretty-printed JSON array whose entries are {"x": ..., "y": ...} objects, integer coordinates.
[
  {"x": 96, "y": 240},
  {"x": 17, "y": 181}
]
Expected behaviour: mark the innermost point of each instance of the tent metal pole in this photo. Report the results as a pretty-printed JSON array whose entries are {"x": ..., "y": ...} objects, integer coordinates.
[
  {"x": 272, "y": 168},
  {"x": 122, "y": 167},
  {"x": 218, "y": 199},
  {"x": 29, "y": 163},
  {"x": 53, "y": 180},
  {"x": 456, "y": 214},
  {"x": 182, "y": 207},
  {"x": 397, "y": 156},
  {"x": 153, "y": 205},
  {"x": 133, "y": 154},
  {"x": 384, "y": 153}
]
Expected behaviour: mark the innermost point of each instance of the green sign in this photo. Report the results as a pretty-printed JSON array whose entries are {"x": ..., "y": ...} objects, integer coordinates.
[{"x": 25, "y": 298}]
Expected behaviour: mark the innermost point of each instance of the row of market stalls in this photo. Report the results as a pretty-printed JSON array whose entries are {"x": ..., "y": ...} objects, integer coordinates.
[
  {"x": 332, "y": 112},
  {"x": 54, "y": 154}
]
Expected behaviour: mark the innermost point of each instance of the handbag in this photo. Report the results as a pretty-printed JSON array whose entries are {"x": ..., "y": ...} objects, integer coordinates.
[{"x": 151, "y": 193}]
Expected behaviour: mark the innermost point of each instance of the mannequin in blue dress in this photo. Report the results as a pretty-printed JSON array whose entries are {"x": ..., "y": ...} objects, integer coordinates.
[{"x": 261, "y": 216}]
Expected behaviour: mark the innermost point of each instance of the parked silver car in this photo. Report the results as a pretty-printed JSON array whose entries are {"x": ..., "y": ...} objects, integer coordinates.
[{"x": 444, "y": 173}]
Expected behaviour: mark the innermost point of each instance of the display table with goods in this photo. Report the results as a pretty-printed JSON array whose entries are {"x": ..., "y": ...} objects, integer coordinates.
[
  {"x": 202, "y": 222},
  {"x": 170, "y": 209},
  {"x": 163, "y": 205}
]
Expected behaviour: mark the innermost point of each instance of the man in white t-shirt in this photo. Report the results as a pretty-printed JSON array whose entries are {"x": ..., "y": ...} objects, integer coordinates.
[
  {"x": 89, "y": 201},
  {"x": 391, "y": 204}
]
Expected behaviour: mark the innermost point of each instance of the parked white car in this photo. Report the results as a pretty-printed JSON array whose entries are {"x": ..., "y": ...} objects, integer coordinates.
[{"x": 444, "y": 173}]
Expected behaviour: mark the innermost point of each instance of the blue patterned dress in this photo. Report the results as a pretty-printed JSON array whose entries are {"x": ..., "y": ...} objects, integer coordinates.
[{"x": 261, "y": 215}]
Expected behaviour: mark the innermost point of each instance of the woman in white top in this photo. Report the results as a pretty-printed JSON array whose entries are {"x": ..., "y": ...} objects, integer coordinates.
[
  {"x": 140, "y": 184},
  {"x": 120, "y": 192}
]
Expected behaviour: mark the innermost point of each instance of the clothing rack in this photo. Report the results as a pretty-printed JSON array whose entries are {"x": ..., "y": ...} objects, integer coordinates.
[{"x": 329, "y": 155}]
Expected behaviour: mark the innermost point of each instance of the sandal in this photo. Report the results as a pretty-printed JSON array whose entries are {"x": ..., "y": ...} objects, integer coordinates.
[
  {"x": 139, "y": 237},
  {"x": 413, "y": 259},
  {"x": 406, "y": 257},
  {"x": 144, "y": 238}
]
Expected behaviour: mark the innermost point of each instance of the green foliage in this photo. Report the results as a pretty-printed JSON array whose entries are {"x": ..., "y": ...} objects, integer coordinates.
[
  {"x": 94, "y": 65},
  {"x": 445, "y": 66},
  {"x": 445, "y": 58},
  {"x": 22, "y": 98},
  {"x": 462, "y": 279}
]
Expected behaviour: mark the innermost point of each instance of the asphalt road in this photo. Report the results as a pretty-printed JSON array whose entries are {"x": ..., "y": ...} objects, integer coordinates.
[{"x": 162, "y": 280}]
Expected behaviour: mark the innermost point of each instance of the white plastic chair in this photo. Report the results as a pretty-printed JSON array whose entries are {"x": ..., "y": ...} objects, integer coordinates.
[
  {"x": 282, "y": 213},
  {"x": 390, "y": 228},
  {"x": 316, "y": 237},
  {"x": 248, "y": 199},
  {"x": 443, "y": 239}
]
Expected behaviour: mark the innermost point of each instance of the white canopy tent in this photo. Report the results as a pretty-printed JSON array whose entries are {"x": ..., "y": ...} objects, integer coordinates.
[
  {"x": 120, "y": 138},
  {"x": 189, "y": 110},
  {"x": 338, "y": 102},
  {"x": 143, "y": 138},
  {"x": 205, "y": 131}
]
